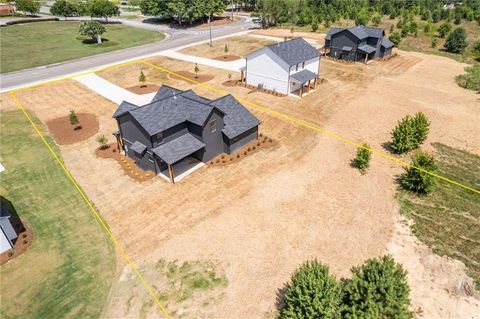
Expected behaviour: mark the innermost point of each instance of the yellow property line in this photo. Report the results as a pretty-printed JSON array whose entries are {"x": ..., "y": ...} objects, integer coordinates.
[
  {"x": 313, "y": 127},
  {"x": 93, "y": 210}
]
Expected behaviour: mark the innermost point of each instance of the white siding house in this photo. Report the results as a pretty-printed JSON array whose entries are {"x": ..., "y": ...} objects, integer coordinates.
[{"x": 284, "y": 67}]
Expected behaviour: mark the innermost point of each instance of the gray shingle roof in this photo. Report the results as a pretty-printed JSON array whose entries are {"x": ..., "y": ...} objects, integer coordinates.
[
  {"x": 237, "y": 118},
  {"x": 294, "y": 51},
  {"x": 332, "y": 31},
  {"x": 366, "y": 48},
  {"x": 177, "y": 149},
  {"x": 138, "y": 147},
  {"x": 123, "y": 108},
  {"x": 167, "y": 110},
  {"x": 304, "y": 76},
  {"x": 386, "y": 43},
  {"x": 346, "y": 48}
]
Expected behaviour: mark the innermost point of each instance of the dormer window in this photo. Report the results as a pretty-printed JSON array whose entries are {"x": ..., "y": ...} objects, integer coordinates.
[
  {"x": 296, "y": 67},
  {"x": 213, "y": 126},
  {"x": 303, "y": 65}
]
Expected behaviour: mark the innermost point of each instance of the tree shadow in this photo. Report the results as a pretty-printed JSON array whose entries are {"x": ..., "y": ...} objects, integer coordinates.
[
  {"x": 14, "y": 218},
  {"x": 280, "y": 297},
  {"x": 93, "y": 41},
  {"x": 387, "y": 147}
]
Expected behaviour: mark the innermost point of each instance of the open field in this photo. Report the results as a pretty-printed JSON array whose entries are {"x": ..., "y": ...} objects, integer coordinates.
[
  {"x": 69, "y": 269},
  {"x": 237, "y": 45},
  {"x": 34, "y": 44},
  {"x": 449, "y": 219},
  {"x": 303, "y": 188}
]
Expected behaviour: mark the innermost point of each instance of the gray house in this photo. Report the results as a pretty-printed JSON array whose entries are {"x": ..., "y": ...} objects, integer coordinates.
[
  {"x": 8, "y": 235},
  {"x": 179, "y": 124},
  {"x": 358, "y": 43}
]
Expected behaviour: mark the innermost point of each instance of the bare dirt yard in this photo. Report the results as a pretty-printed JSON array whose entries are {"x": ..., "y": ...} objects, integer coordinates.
[
  {"x": 284, "y": 33},
  {"x": 238, "y": 46},
  {"x": 250, "y": 224}
]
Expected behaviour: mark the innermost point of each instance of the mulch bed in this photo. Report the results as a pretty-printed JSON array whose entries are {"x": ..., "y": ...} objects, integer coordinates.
[
  {"x": 255, "y": 146},
  {"x": 144, "y": 89},
  {"x": 64, "y": 133},
  {"x": 227, "y": 57},
  {"x": 201, "y": 78},
  {"x": 128, "y": 165},
  {"x": 24, "y": 240}
]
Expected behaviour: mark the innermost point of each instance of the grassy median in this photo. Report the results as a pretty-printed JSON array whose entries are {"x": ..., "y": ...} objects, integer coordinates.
[
  {"x": 70, "y": 267},
  {"x": 30, "y": 45}
]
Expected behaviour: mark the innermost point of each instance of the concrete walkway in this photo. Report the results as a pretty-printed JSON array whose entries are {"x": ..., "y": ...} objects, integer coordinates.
[
  {"x": 229, "y": 66},
  {"x": 113, "y": 92}
]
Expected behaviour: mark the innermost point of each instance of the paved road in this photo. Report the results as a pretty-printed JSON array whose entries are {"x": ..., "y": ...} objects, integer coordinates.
[{"x": 178, "y": 38}]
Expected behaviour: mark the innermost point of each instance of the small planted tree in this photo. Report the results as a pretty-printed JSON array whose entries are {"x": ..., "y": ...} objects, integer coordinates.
[
  {"x": 416, "y": 179},
  {"x": 196, "y": 69},
  {"x": 73, "y": 118},
  {"x": 92, "y": 29},
  {"x": 312, "y": 293},
  {"x": 457, "y": 41},
  {"x": 444, "y": 29},
  {"x": 314, "y": 23},
  {"x": 362, "y": 160},
  {"x": 434, "y": 42},
  {"x": 142, "y": 79},
  {"x": 409, "y": 133},
  {"x": 225, "y": 49},
  {"x": 102, "y": 141},
  {"x": 377, "y": 289},
  {"x": 377, "y": 19},
  {"x": 396, "y": 38}
]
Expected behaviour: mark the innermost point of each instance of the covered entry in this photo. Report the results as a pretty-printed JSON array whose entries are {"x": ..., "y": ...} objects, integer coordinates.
[
  {"x": 366, "y": 52},
  {"x": 303, "y": 81},
  {"x": 174, "y": 153}
]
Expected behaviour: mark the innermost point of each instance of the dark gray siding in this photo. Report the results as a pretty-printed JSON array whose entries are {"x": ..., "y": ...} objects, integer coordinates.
[
  {"x": 213, "y": 141},
  {"x": 243, "y": 139},
  {"x": 341, "y": 39},
  {"x": 384, "y": 53}
]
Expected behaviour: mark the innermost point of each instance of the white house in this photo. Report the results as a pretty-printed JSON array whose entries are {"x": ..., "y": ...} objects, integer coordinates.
[{"x": 284, "y": 67}]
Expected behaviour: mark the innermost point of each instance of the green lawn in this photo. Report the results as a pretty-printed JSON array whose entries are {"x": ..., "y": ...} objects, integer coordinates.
[
  {"x": 30, "y": 45},
  {"x": 448, "y": 220},
  {"x": 70, "y": 267}
]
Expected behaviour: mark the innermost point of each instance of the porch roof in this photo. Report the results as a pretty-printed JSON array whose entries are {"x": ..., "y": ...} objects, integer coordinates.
[
  {"x": 138, "y": 147},
  {"x": 179, "y": 148},
  {"x": 347, "y": 48},
  {"x": 366, "y": 48},
  {"x": 304, "y": 76}
]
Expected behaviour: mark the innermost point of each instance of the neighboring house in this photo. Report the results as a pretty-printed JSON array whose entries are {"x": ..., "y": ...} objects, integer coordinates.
[
  {"x": 8, "y": 236},
  {"x": 358, "y": 43},
  {"x": 283, "y": 67},
  {"x": 7, "y": 9},
  {"x": 179, "y": 124}
]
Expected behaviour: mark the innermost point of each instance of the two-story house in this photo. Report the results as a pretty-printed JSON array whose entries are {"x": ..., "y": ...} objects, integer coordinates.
[
  {"x": 358, "y": 43},
  {"x": 284, "y": 67},
  {"x": 179, "y": 124}
]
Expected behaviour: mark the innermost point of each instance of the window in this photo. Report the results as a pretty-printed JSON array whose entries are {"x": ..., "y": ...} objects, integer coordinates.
[
  {"x": 213, "y": 126},
  {"x": 303, "y": 65},
  {"x": 296, "y": 67}
]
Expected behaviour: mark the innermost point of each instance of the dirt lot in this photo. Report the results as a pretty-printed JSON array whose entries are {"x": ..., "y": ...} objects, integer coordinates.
[
  {"x": 282, "y": 33},
  {"x": 237, "y": 45},
  {"x": 303, "y": 188}
]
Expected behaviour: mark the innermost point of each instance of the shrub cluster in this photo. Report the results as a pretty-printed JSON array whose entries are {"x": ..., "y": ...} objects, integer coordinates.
[
  {"x": 418, "y": 181},
  {"x": 377, "y": 289},
  {"x": 362, "y": 160},
  {"x": 409, "y": 133}
]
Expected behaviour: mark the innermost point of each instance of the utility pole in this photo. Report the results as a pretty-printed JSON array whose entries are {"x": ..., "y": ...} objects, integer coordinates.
[{"x": 210, "y": 28}]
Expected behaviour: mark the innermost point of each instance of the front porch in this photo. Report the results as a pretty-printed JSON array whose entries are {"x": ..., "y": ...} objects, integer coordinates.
[{"x": 176, "y": 172}]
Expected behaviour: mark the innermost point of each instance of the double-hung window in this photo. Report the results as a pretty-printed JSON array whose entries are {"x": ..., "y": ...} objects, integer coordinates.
[{"x": 213, "y": 126}]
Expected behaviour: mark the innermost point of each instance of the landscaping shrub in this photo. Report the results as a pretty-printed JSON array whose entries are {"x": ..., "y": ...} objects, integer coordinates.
[
  {"x": 418, "y": 181},
  {"x": 396, "y": 38},
  {"x": 470, "y": 80},
  {"x": 102, "y": 141},
  {"x": 362, "y": 160},
  {"x": 312, "y": 293},
  {"x": 73, "y": 118},
  {"x": 444, "y": 29},
  {"x": 457, "y": 41},
  {"x": 409, "y": 133},
  {"x": 142, "y": 79},
  {"x": 377, "y": 289}
]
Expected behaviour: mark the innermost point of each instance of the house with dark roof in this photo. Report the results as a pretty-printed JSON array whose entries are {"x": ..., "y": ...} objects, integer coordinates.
[
  {"x": 284, "y": 67},
  {"x": 358, "y": 43},
  {"x": 177, "y": 125}
]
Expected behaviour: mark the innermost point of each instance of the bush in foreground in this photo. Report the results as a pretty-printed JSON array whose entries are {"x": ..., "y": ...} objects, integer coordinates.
[
  {"x": 417, "y": 181},
  {"x": 409, "y": 133},
  {"x": 312, "y": 293},
  {"x": 377, "y": 289},
  {"x": 362, "y": 160}
]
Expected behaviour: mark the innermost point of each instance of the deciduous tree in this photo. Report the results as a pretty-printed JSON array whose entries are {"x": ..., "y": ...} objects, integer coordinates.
[{"x": 64, "y": 8}]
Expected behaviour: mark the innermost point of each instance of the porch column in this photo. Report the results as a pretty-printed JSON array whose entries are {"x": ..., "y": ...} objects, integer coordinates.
[
  {"x": 301, "y": 90},
  {"x": 366, "y": 57},
  {"x": 315, "y": 83},
  {"x": 118, "y": 142},
  {"x": 308, "y": 86},
  {"x": 170, "y": 173},
  {"x": 241, "y": 77}
]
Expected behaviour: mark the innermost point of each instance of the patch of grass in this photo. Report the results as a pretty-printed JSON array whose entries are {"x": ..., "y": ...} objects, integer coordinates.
[
  {"x": 59, "y": 41},
  {"x": 70, "y": 267},
  {"x": 448, "y": 220},
  {"x": 470, "y": 80}
]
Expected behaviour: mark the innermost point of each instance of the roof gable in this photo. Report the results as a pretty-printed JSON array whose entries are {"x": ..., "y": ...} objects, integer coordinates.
[
  {"x": 294, "y": 51},
  {"x": 123, "y": 108}
]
